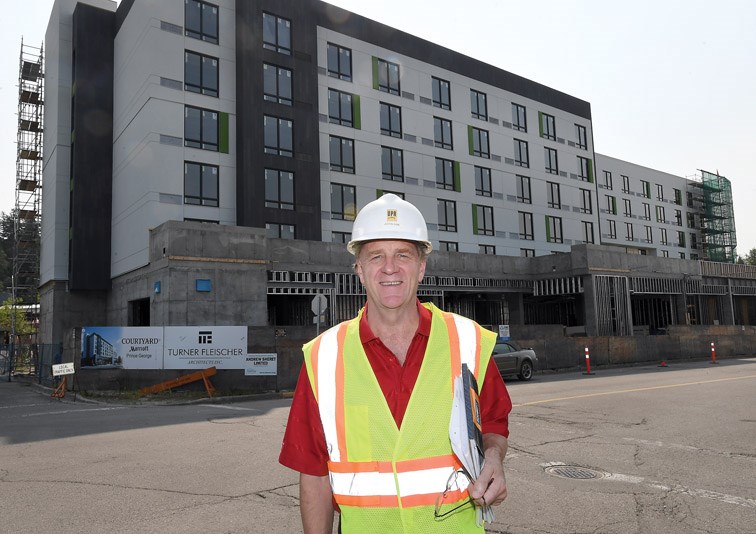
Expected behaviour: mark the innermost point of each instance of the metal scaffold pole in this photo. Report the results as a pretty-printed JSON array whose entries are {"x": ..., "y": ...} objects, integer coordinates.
[{"x": 27, "y": 211}]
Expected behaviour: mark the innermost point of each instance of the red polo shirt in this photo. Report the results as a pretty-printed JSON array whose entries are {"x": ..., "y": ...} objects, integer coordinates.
[{"x": 304, "y": 446}]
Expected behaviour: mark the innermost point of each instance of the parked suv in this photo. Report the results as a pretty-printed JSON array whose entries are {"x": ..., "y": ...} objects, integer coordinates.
[{"x": 513, "y": 361}]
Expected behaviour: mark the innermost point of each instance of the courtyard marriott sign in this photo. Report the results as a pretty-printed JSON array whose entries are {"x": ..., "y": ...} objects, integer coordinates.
[{"x": 169, "y": 347}]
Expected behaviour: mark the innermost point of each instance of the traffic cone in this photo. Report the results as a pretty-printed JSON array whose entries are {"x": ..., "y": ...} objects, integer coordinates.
[{"x": 587, "y": 362}]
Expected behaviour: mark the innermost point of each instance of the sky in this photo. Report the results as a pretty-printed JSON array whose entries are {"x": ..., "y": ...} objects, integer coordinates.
[{"x": 671, "y": 83}]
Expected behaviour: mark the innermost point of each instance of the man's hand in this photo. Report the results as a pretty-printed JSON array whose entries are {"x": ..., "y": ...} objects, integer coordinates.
[{"x": 491, "y": 486}]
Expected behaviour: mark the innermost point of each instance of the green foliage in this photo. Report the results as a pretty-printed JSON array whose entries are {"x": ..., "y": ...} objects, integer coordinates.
[
  {"x": 750, "y": 258},
  {"x": 8, "y": 312}
]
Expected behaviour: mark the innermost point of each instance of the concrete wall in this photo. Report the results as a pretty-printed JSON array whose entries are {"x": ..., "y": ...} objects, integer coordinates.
[{"x": 681, "y": 343}]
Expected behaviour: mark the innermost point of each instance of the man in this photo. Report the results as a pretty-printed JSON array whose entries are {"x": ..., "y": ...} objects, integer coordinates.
[{"x": 368, "y": 429}]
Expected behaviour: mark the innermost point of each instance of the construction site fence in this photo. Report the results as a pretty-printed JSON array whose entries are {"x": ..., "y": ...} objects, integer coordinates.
[{"x": 34, "y": 360}]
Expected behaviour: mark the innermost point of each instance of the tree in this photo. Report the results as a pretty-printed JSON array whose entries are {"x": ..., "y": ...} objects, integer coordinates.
[
  {"x": 8, "y": 313},
  {"x": 750, "y": 258}
]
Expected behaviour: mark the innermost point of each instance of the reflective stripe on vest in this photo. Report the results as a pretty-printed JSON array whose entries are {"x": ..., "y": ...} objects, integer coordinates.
[
  {"x": 377, "y": 483},
  {"x": 464, "y": 342}
]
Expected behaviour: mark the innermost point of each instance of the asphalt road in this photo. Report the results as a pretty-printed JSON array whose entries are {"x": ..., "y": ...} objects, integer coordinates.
[{"x": 654, "y": 450}]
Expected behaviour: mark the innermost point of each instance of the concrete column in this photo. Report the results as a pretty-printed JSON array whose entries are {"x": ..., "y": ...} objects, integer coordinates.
[
  {"x": 680, "y": 308},
  {"x": 516, "y": 305},
  {"x": 590, "y": 319}
]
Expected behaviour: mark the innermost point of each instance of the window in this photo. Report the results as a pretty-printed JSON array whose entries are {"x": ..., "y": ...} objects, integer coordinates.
[
  {"x": 523, "y": 189},
  {"x": 343, "y": 203},
  {"x": 527, "y": 253},
  {"x": 680, "y": 239},
  {"x": 277, "y": 85},
  {"x": 611, "y": 204},
  {"x": 339, "y": 62},
  {"x": 279, "y": 136},
  {"x": 447, "y": 215},
  {"x": 663, "y": 236},
  {"x": 693, "y": 241},
  {"x": 200, "y": 73},
  {"x": 554, "y": 229},
  {"x": 478, "y": 105},
  {"x": 628, "y": 207},
  {"x": 519, "y": 119},
  {"x": 445, "y": 174},
  {"x": 612, "y": 230},
  {"x": 691, "y": 220},
  {"x": 582, "y": 138},
  {"x": 587, "y": 231},
  {"x": 689, "y": 196},
  {"x": 586, "y": 202},
  {"x": 526, "y": 225},
  {"x": 201, "y": 21},
  {"x": 645, "y": 189},
  {"x": 479, "y": 143},
  {"x": 585, "y": 171},
  {"x": 448, "y": 246},
  {"x": 682, "y": 255},
  {"x": 441, "y": 93},
  {"x": 392, "y": 164},
  {"x": 608, "y": 180},
  {"x": 341, "y": 237},
  {"x": 380, "y": 192},
  {"x": 340, "y": 108},
  {"x": 660, "y": 214},
  {"x": 678, "y": 217},
  {"x": 276, "y": 34},
  {"x": 201, "y": 128},
  {"x": 483, "y": 181},
  {"x": 552, "y": 166},
  {"x": 391, "y": 120},
  {"x": 521, "y": 158},
  {"x": 487, "y": 249},
  {"x": 548, "y": 126},
  {"x": 665, "y": 253},
  {"x": 678, "y": 197},
  {"x": 659, "y": 192},
  {"x": 483, "y": 223},
  {"x": 200, "y": 184},
  {"x": 388, "y": 76},
  {"x": 629, "y": 234},
  {"x": 625, "y": 184},
  {"x": 279, "y": 231},
  {"x": 342, "y": 154},
  {"x": 279, "y": 189},
  {"x": 649, "y": 234},
  {"x": 554, "y": 199},
  {"x": 647, "y": 211},
  {"x": 442, "y": 132}
]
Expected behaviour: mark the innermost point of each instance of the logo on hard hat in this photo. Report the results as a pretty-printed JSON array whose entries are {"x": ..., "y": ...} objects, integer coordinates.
[{"x": 391, "y": 216}]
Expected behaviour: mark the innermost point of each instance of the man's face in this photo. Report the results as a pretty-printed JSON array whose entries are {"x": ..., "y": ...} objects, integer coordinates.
[{"x": 390, "y": 272}]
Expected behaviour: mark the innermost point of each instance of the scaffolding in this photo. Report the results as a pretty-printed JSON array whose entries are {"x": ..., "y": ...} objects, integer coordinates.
[
  {"x": 27, "y": 216},
  {"x": 718, "y": 219}
]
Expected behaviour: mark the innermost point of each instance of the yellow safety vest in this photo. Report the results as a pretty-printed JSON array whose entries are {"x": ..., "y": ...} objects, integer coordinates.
[{"x": 387, "y": 479}]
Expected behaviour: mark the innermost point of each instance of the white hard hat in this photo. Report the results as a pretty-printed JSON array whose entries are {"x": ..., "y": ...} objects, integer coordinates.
[{"x": 389, "y": 217}]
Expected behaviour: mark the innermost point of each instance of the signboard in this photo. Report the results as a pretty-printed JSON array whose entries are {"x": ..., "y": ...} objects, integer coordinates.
[
  {"x": 200, "y": 347},
  {"x": 504, "y": 332},
  {"x": 63, "y": 369},
  {"x": 115, "y": 347},
  {"x": 262, "y": 364},
  {"x": 157, "y": 347},
  {"x": 319, "y": 304}
]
